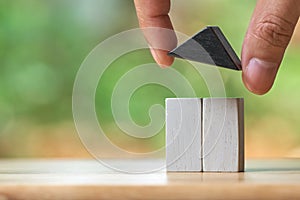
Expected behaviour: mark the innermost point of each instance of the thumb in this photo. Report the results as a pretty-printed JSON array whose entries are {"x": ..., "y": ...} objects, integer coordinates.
[{"x": 268, "y": 35}]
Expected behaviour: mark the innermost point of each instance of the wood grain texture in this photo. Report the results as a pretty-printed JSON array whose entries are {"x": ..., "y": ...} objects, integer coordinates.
[
  {"x": 183, "y": 135},
  {"x": 223, "y": 135},
  {"x": 88, "y": 179}
]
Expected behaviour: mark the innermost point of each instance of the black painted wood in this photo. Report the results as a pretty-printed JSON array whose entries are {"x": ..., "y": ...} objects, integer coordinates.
[{"x": 209, "y": 46}]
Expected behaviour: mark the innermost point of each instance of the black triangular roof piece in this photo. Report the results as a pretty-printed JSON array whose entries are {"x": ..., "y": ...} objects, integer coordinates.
[{"x": 209, "y": 46}]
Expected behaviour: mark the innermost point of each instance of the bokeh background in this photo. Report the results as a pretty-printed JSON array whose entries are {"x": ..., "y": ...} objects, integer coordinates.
[{"x": 43, "y": 43}]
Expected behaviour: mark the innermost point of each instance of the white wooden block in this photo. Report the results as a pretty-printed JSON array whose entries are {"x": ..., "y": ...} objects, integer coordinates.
[
  {"x": 223, "y": 135},
  {"x": 183, "y": 135}
]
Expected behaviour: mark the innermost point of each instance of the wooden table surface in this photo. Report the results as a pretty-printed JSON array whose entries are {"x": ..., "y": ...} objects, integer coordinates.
[{"x": 88, "y": 179}]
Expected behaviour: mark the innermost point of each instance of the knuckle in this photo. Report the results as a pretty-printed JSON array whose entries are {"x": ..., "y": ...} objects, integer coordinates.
[{"x": 276, "y": 31}]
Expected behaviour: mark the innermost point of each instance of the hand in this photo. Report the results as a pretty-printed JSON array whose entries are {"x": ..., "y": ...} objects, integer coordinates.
[{"x": 267, "y": 38}]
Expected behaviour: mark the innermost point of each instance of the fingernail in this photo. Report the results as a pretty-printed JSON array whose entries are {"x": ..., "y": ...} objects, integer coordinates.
[
  {"x": 260, "y": 75},
  {"x": 155, "y": 55},
  {"x": 157, "y": 58}
]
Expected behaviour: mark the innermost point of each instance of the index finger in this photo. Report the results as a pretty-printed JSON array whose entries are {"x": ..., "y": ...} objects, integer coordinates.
[{"x": 155, "y": 13}]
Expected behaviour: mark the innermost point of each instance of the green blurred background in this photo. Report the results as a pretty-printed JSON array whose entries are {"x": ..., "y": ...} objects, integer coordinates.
[{"x": 43, "y": 43}]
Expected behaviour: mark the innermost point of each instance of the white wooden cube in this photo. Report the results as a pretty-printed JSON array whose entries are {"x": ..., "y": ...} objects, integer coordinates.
[
  {"x": 205, "y": 135},
  {"x": 223, "y": 135},
  {"x": 183, "y": 135}
]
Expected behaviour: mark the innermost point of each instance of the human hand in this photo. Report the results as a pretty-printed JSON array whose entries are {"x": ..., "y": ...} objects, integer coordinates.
[{"x": 269, "y": 33}]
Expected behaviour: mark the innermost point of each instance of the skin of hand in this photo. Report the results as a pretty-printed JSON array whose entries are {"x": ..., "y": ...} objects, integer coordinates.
[{"x": 269, "y": 33}]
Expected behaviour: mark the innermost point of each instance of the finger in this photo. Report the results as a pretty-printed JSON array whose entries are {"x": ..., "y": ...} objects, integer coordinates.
[
  {"x": 267, "y": 38},
  {"x": 154, "y": 13}
]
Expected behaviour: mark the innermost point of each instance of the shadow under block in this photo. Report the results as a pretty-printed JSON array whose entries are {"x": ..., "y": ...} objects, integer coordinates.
[
  {"x": 183, "y": 135},
  {"x": 223, "y": 135}
]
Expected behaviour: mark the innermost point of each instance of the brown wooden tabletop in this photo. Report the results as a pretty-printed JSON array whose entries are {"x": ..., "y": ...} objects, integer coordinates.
[{"x": 88, "y": 179}]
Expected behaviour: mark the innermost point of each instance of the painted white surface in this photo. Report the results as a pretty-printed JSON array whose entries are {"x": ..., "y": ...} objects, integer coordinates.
[
  {"x": 183, "y": 135},
  {"x": 223, "y": 135}
]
